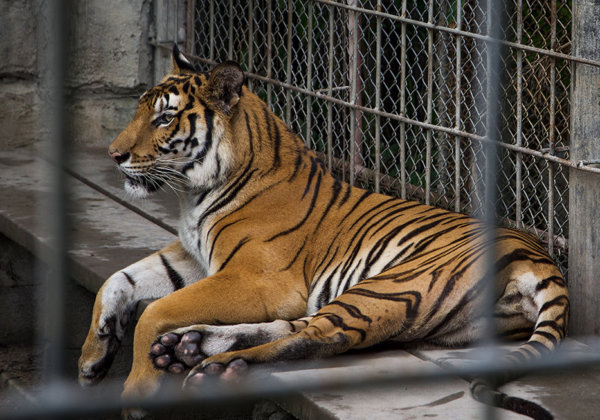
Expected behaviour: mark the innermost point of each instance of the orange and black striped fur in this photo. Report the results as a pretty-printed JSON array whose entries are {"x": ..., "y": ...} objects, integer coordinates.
[{"x": 277, "y": 259}]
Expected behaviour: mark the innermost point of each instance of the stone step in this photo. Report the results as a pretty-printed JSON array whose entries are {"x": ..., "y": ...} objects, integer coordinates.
[
  {"x": 19, "y": 375},
  {"x": 444, "y": 399},
  {"x": 566, "y": 394}
]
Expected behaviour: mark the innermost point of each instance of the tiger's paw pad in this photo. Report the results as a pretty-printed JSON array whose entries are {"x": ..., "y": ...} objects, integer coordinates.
[
  {"x": 176, "y": 353},
  {"x": 201, "y": 375}
]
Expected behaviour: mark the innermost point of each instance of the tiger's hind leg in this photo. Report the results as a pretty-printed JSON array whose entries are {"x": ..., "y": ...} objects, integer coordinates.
[
  {"x": 184, "y": 348},
  {"x": 371, "y": 312}
]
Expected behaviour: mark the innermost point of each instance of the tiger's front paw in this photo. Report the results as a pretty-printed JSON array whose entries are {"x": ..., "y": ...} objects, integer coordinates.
[
  {"x": 229, "y": 372},
  {"x": 100, "y": 348}
]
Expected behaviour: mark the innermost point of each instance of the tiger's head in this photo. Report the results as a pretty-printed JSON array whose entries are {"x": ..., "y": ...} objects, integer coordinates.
[{"x": 179, "y": 136}]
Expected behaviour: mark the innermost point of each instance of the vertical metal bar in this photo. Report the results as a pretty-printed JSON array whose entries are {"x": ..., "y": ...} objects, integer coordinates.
[
  {"x": 552, "y": 137},
  {"x": 269, "y": 51},
  {"x": 457, "y": 119},
  {"x": 519, "y": 162},
  {"x": 377, "y": 101},
  {"x": 403, "y": 104},
  {"x": 211, "y": 51},
  {"x": 353, "y": 17},
  {"x": 288, "y": 75},
  {"x": 429, "y": 104},
  {"x": 309, "y": 63},
  {"x": 176, "y": 28},
  {"x": 190, "y": 32},
  {"x": 330, "y": 92},
  {"x": 250, "y": 41},
  {"x": 490, "y": 155},
  {"x": 53, "y": 313},
  {"x": 230, "y": 31}
]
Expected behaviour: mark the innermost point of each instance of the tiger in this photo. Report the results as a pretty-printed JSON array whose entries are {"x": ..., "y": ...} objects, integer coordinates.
[{"x": 277, "y": 259}]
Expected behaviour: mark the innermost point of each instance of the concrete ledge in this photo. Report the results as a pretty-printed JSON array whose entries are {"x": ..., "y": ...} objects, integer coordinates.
[
  {"x": 105, "y": 235},
  {"x": 449, "y": 399},
  {"x": 566, "y": 394}
]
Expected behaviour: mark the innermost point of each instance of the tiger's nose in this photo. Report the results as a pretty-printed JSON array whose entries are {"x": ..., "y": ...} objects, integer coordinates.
[{"x": 118, "y": 157}]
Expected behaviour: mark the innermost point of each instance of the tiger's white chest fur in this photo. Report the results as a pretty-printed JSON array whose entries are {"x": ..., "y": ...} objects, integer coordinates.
[{"x": 190, "y": 233}]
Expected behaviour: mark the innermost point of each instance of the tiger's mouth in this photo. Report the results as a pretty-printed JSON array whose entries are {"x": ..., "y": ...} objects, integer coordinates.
[{"x": 141, "y": 186}]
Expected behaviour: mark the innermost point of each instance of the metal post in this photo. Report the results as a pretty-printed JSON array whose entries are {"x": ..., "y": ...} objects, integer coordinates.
[
  {"x": 211, "y": 52},
  {"x": 230, "y": 31},
  {"x": 190, "y": 32},
  {"x": 429, "y": 104},
  {"x": 551, "y": 129},
  {"x": 377, "y": 101},
  {"x": 250, "y": 41},
  {"x": 493, "y": 25},
  {"x": 403, "y": 104},
  {"x": 309, "y": 64},
  {"x": 355, "y": 128},
  {"x": 584, "y": 187},
  {"x": 519, "y": 161},
  {"x": 288, "y": 71},
  {"x": 269, "y": 51},
  {"x": 457, "y": 100},
  {"x": 52, "y": 316},
  {"x": 329, "y": 92}
]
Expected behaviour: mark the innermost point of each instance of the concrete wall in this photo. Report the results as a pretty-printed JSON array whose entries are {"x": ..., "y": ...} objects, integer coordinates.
[
  {"x": 110, "y": 65},
  {"x": 18, "y": 72}
]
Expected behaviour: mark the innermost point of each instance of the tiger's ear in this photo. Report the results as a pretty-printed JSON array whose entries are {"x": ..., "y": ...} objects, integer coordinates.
[
  {"x": 224, "y": 86},
  {"x": 181, "y": 65}
]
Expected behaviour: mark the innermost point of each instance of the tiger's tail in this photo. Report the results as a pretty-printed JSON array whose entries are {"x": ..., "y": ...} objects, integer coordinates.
[
  {"x": 484, "y": 392},
  {"x": 550, "y": 329}
]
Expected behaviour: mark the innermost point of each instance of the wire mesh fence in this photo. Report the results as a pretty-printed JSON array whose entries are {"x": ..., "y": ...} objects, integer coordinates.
[{"x": 393, "y": 94}]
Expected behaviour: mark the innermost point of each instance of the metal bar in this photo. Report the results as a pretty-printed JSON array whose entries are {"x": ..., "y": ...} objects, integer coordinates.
[
  {"x": 211, "y": 51},
  {"x": 230, "y": 31},
  {"x": 580, "y": 165},
  {"x": 403, "y": 103},
  {"x": 190, "y": 33},
  {"x": 519, "y": 156},
  {"x": 63, "y": 400},
  {"x": 353, "y": 26},
  {"x": 466, "y": 34},
  {"x": 330, "y": 92},
  {"x": 176, "y": 28},
  {"x": 250, "y": 40},
  {"x": 52, "y": 315},
  {"x": 332, "y": 89},
  {"x": 308, "y": 136},
  {"x": 269, "y": 50},
  {"x": 288, "y": 72},
  {"x": 493, "y": 25},
  {"x": 378, "y": 101},
  {"x": 458, "y": 102},
  {"x": 429, "y": 104},
  {"x": 552, "y": 129}
]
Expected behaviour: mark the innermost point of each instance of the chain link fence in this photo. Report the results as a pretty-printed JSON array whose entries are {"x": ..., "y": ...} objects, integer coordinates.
[{"x": 393, "y": 95}]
